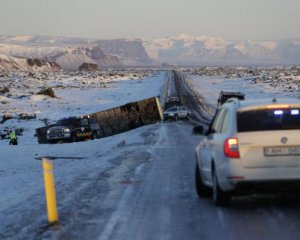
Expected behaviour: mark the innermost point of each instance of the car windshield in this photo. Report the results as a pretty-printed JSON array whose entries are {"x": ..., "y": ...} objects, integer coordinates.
[
  {"x": 268, "y": 119},
  {"x": 66, "y": 122}
]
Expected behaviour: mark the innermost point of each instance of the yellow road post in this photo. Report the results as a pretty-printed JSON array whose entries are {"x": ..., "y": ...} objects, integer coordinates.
[{"x": 50, "y": 191}]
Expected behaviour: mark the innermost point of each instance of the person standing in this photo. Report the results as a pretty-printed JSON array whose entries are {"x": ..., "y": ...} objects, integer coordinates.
[{"x": 13, "y": 138}]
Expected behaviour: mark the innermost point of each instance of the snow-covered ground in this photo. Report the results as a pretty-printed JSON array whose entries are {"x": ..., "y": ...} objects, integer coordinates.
[
  {"x": 75, "y": 95},
  {"x": 21, "y": 180},
  {"x": 21, "y": 176},
  {"x": 210, "y": 86}
]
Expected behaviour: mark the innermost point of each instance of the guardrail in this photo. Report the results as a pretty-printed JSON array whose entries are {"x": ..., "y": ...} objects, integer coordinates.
[{"x": 164, "y": 92}]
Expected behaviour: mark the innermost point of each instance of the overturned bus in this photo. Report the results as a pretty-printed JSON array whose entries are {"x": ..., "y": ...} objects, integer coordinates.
[{"x": 112, "y": 121}]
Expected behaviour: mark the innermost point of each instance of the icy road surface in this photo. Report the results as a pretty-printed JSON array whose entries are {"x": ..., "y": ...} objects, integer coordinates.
[
  {"x": 146, "y": 191},
  {"x": 135, "y": 185},
  {"x": 158, "y": 201}
]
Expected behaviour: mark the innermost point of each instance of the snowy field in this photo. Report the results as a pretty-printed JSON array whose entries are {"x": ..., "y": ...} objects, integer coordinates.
[
  {"x": 21, "y": 179},
  {"x": 257, "y": 85},
  {"x": 76, "y": 94}
]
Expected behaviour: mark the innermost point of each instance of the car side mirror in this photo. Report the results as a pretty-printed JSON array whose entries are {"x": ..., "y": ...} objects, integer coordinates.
[{"x": 199, "y": 130}]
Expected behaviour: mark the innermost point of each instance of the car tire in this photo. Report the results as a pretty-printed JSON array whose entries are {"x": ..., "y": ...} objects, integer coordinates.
[
  {"x": 73, "y": 138},
  {"x": 176, "y": 117},
  {"x": 188, "y": 116},
  {"x": 94, "y": 135},
  {"x": 220, "y": 198},
  {"x": 201, "y": 189},
  {"x": 100, "y": 134}
]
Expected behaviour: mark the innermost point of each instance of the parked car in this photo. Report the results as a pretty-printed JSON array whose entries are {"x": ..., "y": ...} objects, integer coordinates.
[
  {"x": 177, "y": 112},
  {"x": 250, "y": 146},
  {"x": 74, "y": 129},
  {"x": 224, "y": 96}
]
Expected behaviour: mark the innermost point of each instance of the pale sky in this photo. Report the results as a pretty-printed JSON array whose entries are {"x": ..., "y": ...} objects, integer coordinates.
[{"x": 148, "y": 19}]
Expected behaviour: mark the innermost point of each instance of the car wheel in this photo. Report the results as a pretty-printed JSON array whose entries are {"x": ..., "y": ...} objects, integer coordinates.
[
  {"x": 100, "y": 134},
  {"x": 73, "y": 138},
  {"x": 188, "y": 116},
  {"x": 220, "y": 197},
  {"x": 201, "y": 189},
  {"x": 176, "y": 117},
  {"x": 94, "y": 135}
]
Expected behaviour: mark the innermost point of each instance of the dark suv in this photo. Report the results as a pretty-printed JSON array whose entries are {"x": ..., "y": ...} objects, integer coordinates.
[
  {"x": 74, "y": 129},
  {"x": 224, "y": 96}
]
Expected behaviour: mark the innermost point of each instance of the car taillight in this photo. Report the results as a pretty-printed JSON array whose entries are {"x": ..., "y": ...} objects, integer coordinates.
[{"x": 231, "y": 148}]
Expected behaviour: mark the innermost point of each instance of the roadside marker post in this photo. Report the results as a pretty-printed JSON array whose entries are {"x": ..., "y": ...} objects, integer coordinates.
[{"x": 50, "y": 191}]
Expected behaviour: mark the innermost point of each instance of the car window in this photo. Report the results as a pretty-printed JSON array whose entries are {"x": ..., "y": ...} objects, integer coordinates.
[
  {"x": 84, "y": 122},
  {"x": 268, "y": 120},
  {"x": 92, "y": 120},
  {"x": 67, "y": 121},
  {"x": 218, "y": 121},
  {"x": 226, "y": 122}
]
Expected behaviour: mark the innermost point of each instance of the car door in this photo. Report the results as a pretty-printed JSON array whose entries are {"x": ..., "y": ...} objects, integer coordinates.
[
  {"x": 184, "y": 112},
  {"x": 222, "y": 133},
  {"x": 204, "y": 149},
  {"x": 180, "y": 112}
]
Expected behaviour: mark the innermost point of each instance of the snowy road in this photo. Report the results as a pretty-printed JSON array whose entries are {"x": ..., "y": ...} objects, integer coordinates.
[
  {"x": 158, "y": 201},
  {"x": 132, "y": 186}
]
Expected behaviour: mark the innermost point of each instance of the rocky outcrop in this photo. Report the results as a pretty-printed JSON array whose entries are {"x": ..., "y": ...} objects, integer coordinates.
[
  {"x": 72, "y": 58},
  {"x": 130, "y": 52},
  {"x": 102, "y": 59},
  {"x": 88, "y": 67},
  {"x": 36, "y": 62},
  {"x": 48, "y": 92},
  {"x": 8, "y": 63},
  {"x": 4, "y": 90}
]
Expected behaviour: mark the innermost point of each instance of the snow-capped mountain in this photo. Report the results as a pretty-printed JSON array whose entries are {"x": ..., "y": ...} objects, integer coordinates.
[
  {"x": 130, "y": 51},
  {"x": 70, "y": 53},
  {"x": 68, "y": 57},
  {"x": 186, "y": 49},
  {"x": 37, "y": 40},
  {"x": 73, "y": 57},
  {"x": 8, "y": 63}
]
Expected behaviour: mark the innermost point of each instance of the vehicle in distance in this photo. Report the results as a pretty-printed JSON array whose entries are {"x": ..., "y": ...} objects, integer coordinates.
[
  {"x": 74, "y": 129},
  {"x": 251, "y": 146},
  {"x": 173, "y": 101},
  {"x": 224, "y": 96},
  {"x": 177, "y": 112}
]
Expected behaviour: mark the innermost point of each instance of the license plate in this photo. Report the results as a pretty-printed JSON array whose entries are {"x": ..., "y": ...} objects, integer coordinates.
[{"x": 281, "y": 151}]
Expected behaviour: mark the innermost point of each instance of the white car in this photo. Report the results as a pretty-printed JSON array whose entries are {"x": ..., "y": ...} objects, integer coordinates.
[
  {"x": 251, "y": 146},
  {"x": 177, "y": 112}
]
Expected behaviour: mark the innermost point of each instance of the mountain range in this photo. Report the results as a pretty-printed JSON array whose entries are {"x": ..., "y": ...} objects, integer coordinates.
[
  {"x": 204, "y": 50},
  {"x": 70, "y": 53}
]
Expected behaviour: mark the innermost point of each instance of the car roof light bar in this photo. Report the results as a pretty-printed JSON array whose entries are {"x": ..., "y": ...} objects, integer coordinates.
[{"x": 276, "y": 106}]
